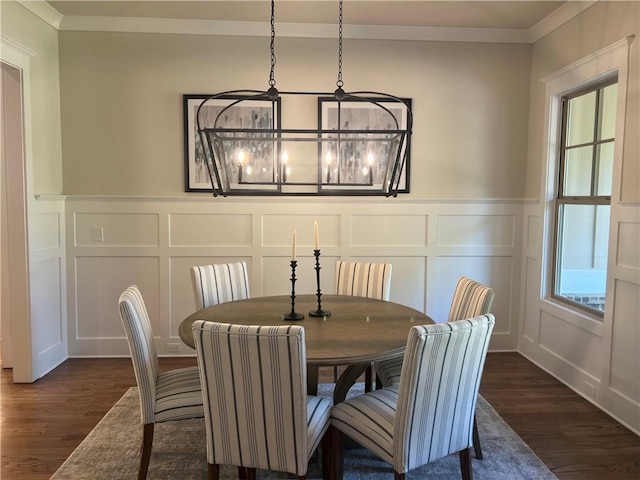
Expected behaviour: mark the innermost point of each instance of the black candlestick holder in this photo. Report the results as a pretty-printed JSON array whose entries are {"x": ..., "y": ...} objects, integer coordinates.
[
  {"x": 293, "y": 315},
  {"x": 319, "y": 312}
]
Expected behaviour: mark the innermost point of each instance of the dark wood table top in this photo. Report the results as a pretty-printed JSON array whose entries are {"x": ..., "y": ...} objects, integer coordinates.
[{"x": 359, "y": 330}]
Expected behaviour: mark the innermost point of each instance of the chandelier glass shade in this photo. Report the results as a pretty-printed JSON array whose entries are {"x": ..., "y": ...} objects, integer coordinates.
[{"x": 360, "y": 145}]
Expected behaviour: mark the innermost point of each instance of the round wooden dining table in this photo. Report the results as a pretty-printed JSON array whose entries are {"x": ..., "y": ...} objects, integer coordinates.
[{"x": 358, "y": 331}]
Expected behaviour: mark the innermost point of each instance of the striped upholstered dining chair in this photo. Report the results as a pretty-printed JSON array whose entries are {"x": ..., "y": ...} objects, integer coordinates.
[
  {"x": 470, "y": 299},
  {"x": 418, "y": 421},
  {"x": 166, "y": 396},
  {"x": 371, "y": 280},
  {"x": 257, "y": 411},
  {"x": 224, "y": 282}
]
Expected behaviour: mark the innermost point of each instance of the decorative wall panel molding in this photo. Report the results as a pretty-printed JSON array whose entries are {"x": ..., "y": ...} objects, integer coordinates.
[
  {"x": 165, "y": 238},
  {"x": 45, "y": 278},
  {"x": 399, "y": 230},
  {"x": 46, "y": 232},
  {"x": 48, "y": 285},
  {"x": 202, "y": 230},
  {"x": 476, "y": 230},
  {"x": 629, "y": 235},
  {"x": 122, "y": 229}
]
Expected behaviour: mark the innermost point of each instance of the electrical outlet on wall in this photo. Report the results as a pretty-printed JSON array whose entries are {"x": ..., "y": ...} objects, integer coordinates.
[
  {"x": 590, "y": 390},
  {"x": 98, "y": 234}
]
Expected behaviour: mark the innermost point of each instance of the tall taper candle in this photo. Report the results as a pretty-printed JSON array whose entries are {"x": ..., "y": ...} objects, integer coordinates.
[
  {"x": 315, "y": 235},
  {"x": 293, "y": 247}
]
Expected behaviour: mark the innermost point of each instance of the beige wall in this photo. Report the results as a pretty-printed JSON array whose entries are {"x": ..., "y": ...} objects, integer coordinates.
[
  {"x": 599, "y": 26},
  {"x": 122, "y": 104},
  {"x": 24, "y": 28}
]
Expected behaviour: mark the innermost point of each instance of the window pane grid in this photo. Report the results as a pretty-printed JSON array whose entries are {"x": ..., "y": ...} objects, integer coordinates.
[{"x": 596, "y": 143}]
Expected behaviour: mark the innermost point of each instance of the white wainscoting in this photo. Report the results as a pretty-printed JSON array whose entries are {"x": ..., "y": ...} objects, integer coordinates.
[
  {"x": 598, "y": 358},
  {"x": 114, "y": 242}
]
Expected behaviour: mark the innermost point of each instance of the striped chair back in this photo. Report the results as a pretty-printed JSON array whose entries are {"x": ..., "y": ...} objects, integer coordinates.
[
  {"x": 438, "y": 390},
  {"x": 371, "y": 280},
  {"x": 214, "y": 284},
  {"x": 254, "y": 390},
  {"x": 137, "y": 325},
  {"x": 470, "y": 299}
]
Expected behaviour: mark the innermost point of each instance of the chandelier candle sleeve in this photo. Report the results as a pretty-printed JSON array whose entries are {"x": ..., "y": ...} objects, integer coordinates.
[{"x": 285, "y": 159}]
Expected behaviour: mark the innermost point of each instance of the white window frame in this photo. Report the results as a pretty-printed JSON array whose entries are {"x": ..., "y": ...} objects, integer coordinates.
[
  {"x": 589, "y": 70},
  {"x": 564, "y": 200}
]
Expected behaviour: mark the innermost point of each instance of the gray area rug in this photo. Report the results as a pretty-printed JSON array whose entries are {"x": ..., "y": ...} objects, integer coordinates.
[{"x": 111, "y": 452}]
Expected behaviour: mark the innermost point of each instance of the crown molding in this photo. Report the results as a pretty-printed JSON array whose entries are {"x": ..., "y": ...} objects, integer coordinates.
[
  {"x": 44, "y": 11},
  {"x": 6, "y": 44},
  {"x": 293, "y": 30},
  {"x": 306, "y": 30},
  {"x": 434, "y": 34},
  {"x": 557, "y": 18}
]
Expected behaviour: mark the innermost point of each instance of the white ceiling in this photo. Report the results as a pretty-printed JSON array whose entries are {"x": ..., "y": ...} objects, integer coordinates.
[{"x": 520, "y": 14}]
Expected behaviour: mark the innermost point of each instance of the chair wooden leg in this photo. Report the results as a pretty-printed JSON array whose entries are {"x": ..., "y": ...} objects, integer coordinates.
[
  {"x": 251, "y": 474},
  {"x": 337, "y": 453},
  {"x": 242, "y": 473},
  {"x": 326, "y": 455},
  {"x": 465, "y": 464},
  {"x": 476, "y": 440},
  {"x": 398, "y": 476},
  {"x": 213, "y": 471},
  {"x": 145, "y": 450},
  {"x": 312, "y": 379},
  {"x": 368, "y": 379}
]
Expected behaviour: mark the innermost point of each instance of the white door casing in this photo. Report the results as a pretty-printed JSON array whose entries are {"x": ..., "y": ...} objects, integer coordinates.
[{"x": 18, "y": 323}]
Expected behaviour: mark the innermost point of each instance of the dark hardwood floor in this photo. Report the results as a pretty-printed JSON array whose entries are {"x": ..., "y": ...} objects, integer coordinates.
[{"x": 43, "y": 422}]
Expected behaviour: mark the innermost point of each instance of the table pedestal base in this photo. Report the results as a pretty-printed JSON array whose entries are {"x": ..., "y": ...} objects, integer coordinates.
[{"x": 346, "y": 380}]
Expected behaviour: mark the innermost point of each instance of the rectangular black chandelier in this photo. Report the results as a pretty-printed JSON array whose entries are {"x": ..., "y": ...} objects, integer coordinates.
[{"x": 359, "y": 147}]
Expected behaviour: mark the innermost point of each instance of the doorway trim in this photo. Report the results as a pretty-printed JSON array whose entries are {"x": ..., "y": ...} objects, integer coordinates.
[{"x": 20, "y": 200}]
